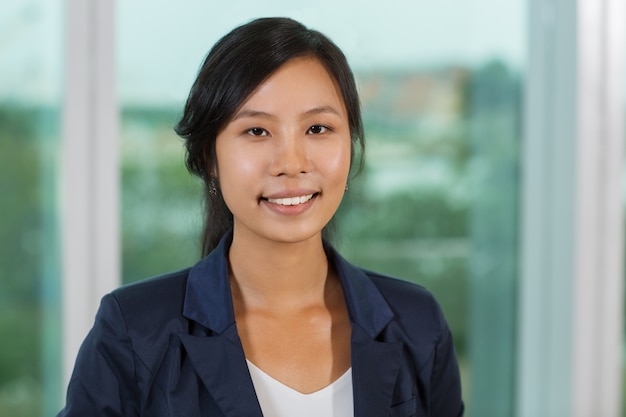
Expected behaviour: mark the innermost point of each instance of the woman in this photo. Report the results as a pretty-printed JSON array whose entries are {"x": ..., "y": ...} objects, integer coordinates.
[{"x": 272, "y": 321}]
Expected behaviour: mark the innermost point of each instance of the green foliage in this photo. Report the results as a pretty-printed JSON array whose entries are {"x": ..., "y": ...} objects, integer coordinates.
[
  {"x": 427, "y": 214},
  {"x": 19, "y": 354},
  {"x": 21, "y": 206},
  {"x": 26, "y": 178},
  {"x": 160, "y": 200}
]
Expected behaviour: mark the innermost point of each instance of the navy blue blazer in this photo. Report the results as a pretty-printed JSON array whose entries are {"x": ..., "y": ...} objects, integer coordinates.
[{"x": 169, "y": 346}]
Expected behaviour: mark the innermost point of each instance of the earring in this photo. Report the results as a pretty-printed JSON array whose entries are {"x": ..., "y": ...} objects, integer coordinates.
[
  {"x": 347, "y": 187},
  {"x": 212, "y": 188}
]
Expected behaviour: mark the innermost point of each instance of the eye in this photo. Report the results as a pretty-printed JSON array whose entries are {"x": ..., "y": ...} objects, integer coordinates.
[
  {"x": 317, "y": 129},
  {"x": 257, "y": 131}
]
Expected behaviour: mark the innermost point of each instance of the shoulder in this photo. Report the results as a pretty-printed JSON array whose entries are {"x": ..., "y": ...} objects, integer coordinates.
[
  {"x": 398, "y": 287},
  {"x": 143, "y": 316},
  {"x": 403, "y": 293},
  {"x": 152, "y": 300},
  {"x": 379, "y": 297},
  {"x": 414, "y": 307},
  {"x": 154, "y": 287}
]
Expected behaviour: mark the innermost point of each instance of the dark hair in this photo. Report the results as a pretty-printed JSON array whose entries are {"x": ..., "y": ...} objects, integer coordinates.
[{"x": 234, "y": 67}]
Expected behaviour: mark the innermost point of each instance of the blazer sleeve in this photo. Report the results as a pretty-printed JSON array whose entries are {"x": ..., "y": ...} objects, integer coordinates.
[
  {"x": 446, "y": 399},
  {"x": 103, "y": 382}
]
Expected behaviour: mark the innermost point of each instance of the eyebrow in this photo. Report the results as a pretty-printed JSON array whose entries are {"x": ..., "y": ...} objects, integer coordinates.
[
  {"x": 264, "y": 115},
  {"x": 322, "y": 109},
  {"x": 253, "y": 113}
]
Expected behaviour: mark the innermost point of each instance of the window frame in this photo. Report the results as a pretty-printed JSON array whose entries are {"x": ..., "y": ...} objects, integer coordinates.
[
  {"x": 571, "y": 282},
  {"x": 90, "y": 178}
]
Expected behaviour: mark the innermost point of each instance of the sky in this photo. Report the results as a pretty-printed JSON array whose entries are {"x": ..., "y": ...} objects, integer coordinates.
[
  {"x": 174, "y": 38},
  {"x": 161, "y": 43}
]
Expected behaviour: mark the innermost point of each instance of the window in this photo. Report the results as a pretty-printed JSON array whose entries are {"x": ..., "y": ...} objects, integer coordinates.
[
  {"x": 490, "y": 178},
  {"x": 30, "y": 292}
]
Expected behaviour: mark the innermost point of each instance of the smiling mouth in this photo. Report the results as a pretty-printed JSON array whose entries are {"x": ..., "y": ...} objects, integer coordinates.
[{"x": 291, "y": 201}]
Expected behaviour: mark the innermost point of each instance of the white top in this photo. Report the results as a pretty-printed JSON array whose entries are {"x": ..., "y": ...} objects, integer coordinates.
[{"x": 279, "y": 400}]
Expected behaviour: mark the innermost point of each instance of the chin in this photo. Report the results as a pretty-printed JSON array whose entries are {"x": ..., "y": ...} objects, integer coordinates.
[{"x": 295, "y": 236}]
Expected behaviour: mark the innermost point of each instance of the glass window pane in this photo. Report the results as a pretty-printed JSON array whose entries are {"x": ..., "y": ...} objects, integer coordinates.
[
  {"x": 437, "y": 202},
  {"x": 30, "y": 330},
  {"x": 160, "y": 205}
]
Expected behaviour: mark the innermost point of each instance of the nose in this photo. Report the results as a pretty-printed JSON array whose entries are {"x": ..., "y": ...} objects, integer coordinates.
[{"x": 291, "y": 157}]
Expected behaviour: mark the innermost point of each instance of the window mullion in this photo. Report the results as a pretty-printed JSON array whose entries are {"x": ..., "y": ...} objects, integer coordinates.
[{"x": 89, "y": 168}]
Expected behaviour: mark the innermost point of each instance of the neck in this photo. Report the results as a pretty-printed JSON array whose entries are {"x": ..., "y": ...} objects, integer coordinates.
[{"x": 280, "y": 275}]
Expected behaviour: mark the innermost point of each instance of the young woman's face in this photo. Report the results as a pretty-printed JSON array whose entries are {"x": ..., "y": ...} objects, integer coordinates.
[{"x": 283, "y": 159}]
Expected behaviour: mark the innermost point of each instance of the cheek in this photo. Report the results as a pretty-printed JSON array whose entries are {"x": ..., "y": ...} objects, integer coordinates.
[
  {"x": 238, "y": 167},
  {"x": 337, "y": 161},
  {"x": 235, "y": 163}
]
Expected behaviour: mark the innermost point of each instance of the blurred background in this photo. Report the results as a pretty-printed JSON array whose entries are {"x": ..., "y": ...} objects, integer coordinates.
[{"x": 444, "y": 87}]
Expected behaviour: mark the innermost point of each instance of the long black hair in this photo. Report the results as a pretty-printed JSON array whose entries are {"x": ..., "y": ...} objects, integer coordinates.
[{"x": 237, "y": 64}]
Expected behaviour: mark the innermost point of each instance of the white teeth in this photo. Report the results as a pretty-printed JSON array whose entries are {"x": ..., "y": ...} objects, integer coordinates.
[{"x": 291, "y": 201}]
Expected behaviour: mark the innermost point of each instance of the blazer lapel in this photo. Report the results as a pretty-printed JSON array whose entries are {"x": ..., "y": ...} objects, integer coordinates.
[
  {"x": 375, "y": 363},
  {"x": 375, "y": 367},
  {"x": 220, "y": 363},
  {"x": 214, "y": 348}
]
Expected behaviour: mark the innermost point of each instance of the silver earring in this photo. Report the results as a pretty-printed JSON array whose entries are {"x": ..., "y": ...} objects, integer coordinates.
[
  {"x": 346, "y": 186},
  {"x": 212, "y": 188}
]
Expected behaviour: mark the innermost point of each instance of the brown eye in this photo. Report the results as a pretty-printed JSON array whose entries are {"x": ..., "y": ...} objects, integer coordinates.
[
  {"x": 316, "y": 130},
  {"x": 257, "y": 131}
]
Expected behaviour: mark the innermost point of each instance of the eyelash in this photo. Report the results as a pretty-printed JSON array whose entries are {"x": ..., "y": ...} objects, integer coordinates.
[
  {"x": 322, "y": 127},
  {"x": 262, "y": 132}
]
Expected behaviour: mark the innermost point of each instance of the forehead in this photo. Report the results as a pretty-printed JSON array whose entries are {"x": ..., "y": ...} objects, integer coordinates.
[{"x": 298, "y": 85}]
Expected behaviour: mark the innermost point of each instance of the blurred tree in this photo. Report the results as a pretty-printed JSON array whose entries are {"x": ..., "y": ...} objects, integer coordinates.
[{"x": 25, "y": 299}]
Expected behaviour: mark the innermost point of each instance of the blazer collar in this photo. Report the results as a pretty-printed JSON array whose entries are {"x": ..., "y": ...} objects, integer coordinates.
[
  {"x": 375, "y": 364},
  {"x": 208, "y": 299},
  {"x": 208, "y": 302},
  {"x": 366, "y": 305}
]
